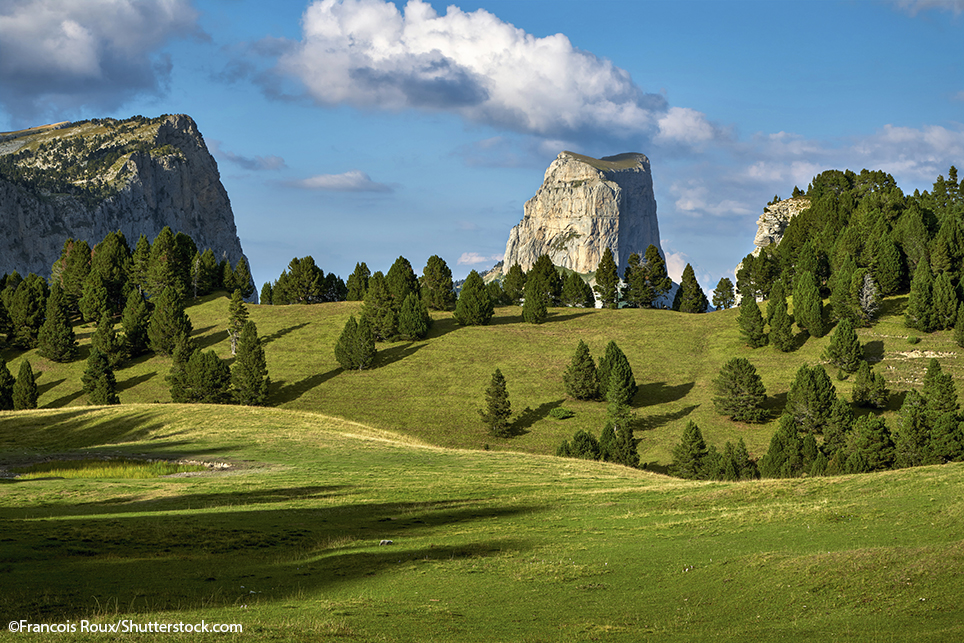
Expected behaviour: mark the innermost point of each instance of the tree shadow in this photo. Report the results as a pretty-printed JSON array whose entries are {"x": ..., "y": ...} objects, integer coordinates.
[
  {"x": 394, "y": 354},
  {"x": 281, "y": 392},
  {"x": 660, "y": 393},
  {"x": 46, "y": 386},
  {"x": 799, "y": 340},
  {"x": 278, "y": 334},
  {"x": 775, "y": 404},
  {"x": 71, "y": 429},
  {"x": 874, "y": 351},
  {"x": 529, "y": 416},
  {"x": 892, "y": 306},
  {"x": 64, "y": 400},
  {"x": 210, "y": 340},
  {"x": 651, "y": 422},
  {"x": 131, "y": 382}
]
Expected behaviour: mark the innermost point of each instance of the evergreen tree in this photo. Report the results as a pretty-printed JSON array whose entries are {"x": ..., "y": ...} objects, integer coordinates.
[
  {"x": 580, "y": 378},
  {"x": 807, "y": 305},
  {"x": 959, "y": 326},
  {"x": 656, "y": 275},
  {"x": 784, "y": 457},
  {"x": 163, "y": 270},
  {"x": 5, "y": 326},
  {"x": 496, "y": 294},
  {"x": 887, "y": 266},
  {"x": 140, "y": 263},
  {"x": 911, "y": 441},
  {"x": 27, "y": 312},
  {"x": 844, "y": 350},
  {"x": 378, "y": 310},
  {"x": 751, "y": 323},
  {"x": 866, "y": 296},
  {"x": 205, "y": 378},
  {"x": 623, "y": 446},
  {"x": 584, "y": 446},
  {"x": 920, "y": 303},
  {"x": 544, "y": 269},
  {"x": 873, "y": 446},
  {"x": 841, "y": 303},
  {"x": 781, "y": 326},
  {"x": 535, "y": 306},
  {"x": 135, "y": 321},
  {"x": 939, "y": 391},
  {"x": 168, "y": 323},
  {"x": 56, "y": 340},
  {"x": 6, "y": 387},
  {"x": 211, "y": 273},
  {"x": 947, "y": 440},
  {"x": 474, "y": 307},
  {"x": 723, "y": 297},
  {"x": 333, "y": 288},
  {"x": 607, "y": 280},
  {"x": 76, "y": 268},
  {"x": 242, "y": 278},
  {"x": 437, "y": 288},
  {"x": 607, "y": 364},
  {"x": 301, "y": 283},
  {"x": 229, "y": 283},
  {"x": 106, "y": 341},
  {"x": 414, "y": 319},
  {"x": 358, "y": 282},
  {"x": 25, "y": 392},
  {"x": 249, "y": 374},
  {"x": 869, "y": 389},
  {"x": 355, "y": 349},
  {"x": 740, "y": 392},
  {"x": 810, "y": 399},
  {"x": 576, "y": 292},
  {"x": 94, "y": 300},
  {"x": 689, "y": 455},
  {"x": 237, "y": 316},
  {"x": 111, "y": 261},
  {"x": 838, "y": 429},
  {"x": 266, "y": 294},
  {"x": 514, "y": 284},
  {"x": 621, "y": 384},
  {"x": 690, "y": 297},
  {"x": 99, "y": 383},
  {"x": 497, "y": 409},
  {"x": 945, "y": 303},
  {"x": 400, "y": 281}
]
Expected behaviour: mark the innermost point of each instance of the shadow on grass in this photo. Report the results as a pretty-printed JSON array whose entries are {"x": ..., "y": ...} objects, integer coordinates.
[
  {"x": 72, "y": 429},
  {"x": 67, "y": 568},
  {"x": 281, "y": 392},
  {"x": 387, "y": 356},
  {"x": 46, "y": 386},
  {"x": 442, "y": 327},
  {"x": 530, "y": 416},
  {"x": 651, "y": 422},
  {"x": 874, "y": 351},
  {"x": 131, "y": 382},
  {"x": 64, "y": 400},
  {"x": 775, "y": 404},
  {"x": 892, "y": 306},
  {"x": 212, "y": 339},
  {"x": 278, "y": 334},
  {"x": 660, "y": 393},
  {"x": 799, "y": 340}
]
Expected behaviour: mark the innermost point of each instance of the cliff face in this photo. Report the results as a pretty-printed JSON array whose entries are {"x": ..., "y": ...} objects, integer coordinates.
[
  {"x": 584, "y": 206},
  {"x": 84, "y": 180},
  {"x": 774, "y": 220}
]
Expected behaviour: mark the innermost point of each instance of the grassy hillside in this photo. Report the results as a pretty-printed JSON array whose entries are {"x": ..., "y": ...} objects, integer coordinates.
[
  {"x": 486, "y": 546},
  {"x": 430, "y": 390}
]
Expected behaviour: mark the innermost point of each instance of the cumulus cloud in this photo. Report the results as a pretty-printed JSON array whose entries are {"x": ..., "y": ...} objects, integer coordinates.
[
  {"x": 913, "y": 7},
  {"x": 254, "y": 163},
  {"x": 473, "y": 258},
  {"x": 676, "y": 264},
  {"x": 368, "y": 53},
  {"x": 59, "y": 55},
  {"x": 351, "y": 181}
]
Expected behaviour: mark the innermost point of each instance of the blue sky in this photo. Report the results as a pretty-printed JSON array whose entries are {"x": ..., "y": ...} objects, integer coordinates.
[{"x": 364, "y": 130}]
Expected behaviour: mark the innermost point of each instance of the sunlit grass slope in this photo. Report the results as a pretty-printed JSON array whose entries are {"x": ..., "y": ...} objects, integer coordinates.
[{"x": 487, "y": 546}]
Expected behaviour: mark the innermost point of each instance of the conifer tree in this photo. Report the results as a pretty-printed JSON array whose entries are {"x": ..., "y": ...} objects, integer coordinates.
[
  {"x": 576, "y": 292},
  {"x": 162, "y": 269},
  {"x": 781, "y": 326},
  {"x": 607, "y": 280},
  {"x": 945, "y": 302},
  {"x": 6, "y": 387},
  {"x": 474, "y": 306},
  {"x": 205, "y": 378},
  {"x": 76, "y": 268},
  {"x": 5, "y": 327},
  {"x": 844, "y": 350},
  {"x": 400, "y": 281},
  {"x": 111, "y": 261},
  {"x": 841, "y": 303},
  {"x": 535, "y": 306},
  {"x": 237, "y": 316},
  {"x": 99, "y": 384},
  {"x": 27, "y": 312},
  {"x": 887, "y": 266},
  {"x": 169, "y": 323},
  {"x": 689, "y": 454},
  {"x": 873, "y": 446},
  {"x": 784, "y": 457},
  {"x": 621, "y": 385},
  {"x": 265, "y": 296},
  {"x": 378, "y": 309},
  {"x": 496, "y": 294},
  {"x": 229, "y": 283},
  {"x": 807, "y": 305},
  {"x": 135, "y": 321},
  {"x": 939, "y": 391},
  {"x": 249, "y": 374},
  {"x": 866, "y": 295},
  {"x": 580, "y": 378},
  {"x": 623, "y": 447},
  {"x": 414, "y": 319},
  {"x": 355, "y": 349},
  {"x": 740, "y": 392},
  {"x": 911, "y": 440},
  {"x": 947, "y": 440},
  {"x": 56, "y": 340},
  {"x": 723, "y": 296},
  {"x": 869, "y": 389},
  {"x": 94, "y": 300},
  {"x": 751, "y": 323},
  {"x": 613, "y": 356},
  {"x": 497, "y": 409},
  {"x": 358, "y": 282},
  {"x": 514, "y": 284},
  {"x": 690, "y": 297},
  {"x": 920, "y": 304},
  {"x": 140, "y": 263},
  {"x": 242, "y": 278},
  {"x": 25, "y": 392},
  {"x": 584, "y": 446},
  {"x": 106, "y": 341},
  {"x": 776, "y": 294},
  {"x": 837, "y": 430},
  {"x": 811, "y": 398},
  {"x": 656, "y": 275},
  {"x": 544, "y": 269},
  {"x": 437, "y": 288}
]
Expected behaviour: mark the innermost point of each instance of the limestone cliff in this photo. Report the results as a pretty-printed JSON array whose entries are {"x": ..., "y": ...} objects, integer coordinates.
[
  {"x": 83, "y": 180},
  {"x": 584, "y": 206},
  {"x": 774, "y": 220}
]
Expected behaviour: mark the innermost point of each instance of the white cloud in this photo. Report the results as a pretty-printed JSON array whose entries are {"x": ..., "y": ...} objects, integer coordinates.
[
  {"x": 62, "y": 54},
  {"x": 959, "y": 96},
  {"x": 693, "y": 197},
  {"x": 351, "y": 181},
  {"x": 676, "y": 264},
  {"x": 255, "y": 163},
  {"x": 368, "y": 53},
  {"x": 913, "y": 7},
  {"x": 472, "y": 258}
]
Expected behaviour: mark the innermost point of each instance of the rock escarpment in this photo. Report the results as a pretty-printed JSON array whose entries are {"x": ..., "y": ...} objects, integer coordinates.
[
  {"x": 584, "y": 206},
  {"x": 773, "y": 222},
  {"x": 86, "y": 179}
]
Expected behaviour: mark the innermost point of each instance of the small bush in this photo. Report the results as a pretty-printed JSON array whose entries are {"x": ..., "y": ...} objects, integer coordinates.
[
  {"x": 913, "y": 339},
  {"x": 561, "y": 413}
]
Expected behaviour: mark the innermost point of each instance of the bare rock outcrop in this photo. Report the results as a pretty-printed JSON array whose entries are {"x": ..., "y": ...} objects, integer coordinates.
[
  {"x": 86, "y": 179},
  {"x": 774, "y": 220},
  {"x": 584, "y": 206}
]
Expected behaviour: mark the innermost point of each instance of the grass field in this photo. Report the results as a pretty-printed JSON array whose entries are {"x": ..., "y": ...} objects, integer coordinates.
[{"x": 505, "y": 544}]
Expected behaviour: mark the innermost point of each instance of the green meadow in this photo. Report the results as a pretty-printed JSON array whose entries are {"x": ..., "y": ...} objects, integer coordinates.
[{"x": 492, "y": 539}]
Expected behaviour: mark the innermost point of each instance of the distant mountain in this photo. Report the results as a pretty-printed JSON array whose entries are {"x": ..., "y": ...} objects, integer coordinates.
[{"x": 85, "y": 179}]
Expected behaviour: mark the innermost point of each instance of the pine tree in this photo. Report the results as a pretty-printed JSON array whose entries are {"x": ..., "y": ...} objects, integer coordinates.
[
  {"x": 869, "y": 389},
  {"x": 400, "y": 281},
  {"x": 887, "y": 266},
  {"x": 751, "y": 323},
  {"x": 607, "y": 280},
  {"x": 94, "y": 298},
  {"x": 620, "y": 384},
  {"x": 378, "y": 310},
  {"x": 913, "y": 432},
  {"x": 414, "y": 319},
  {"x": 838, "y": 428},
  {"x": 111, "y": 262},
  {"x": 920, "y": 304},
  {"x": 811, "y": 398},
  {"x": 76, "y": 268},
  {"x": 25, "y": 392},
  {"x": 784, "y": 457},
  {"x": 723, "y": 297},
  {"x": 140, "y": 263},
  {"x": 135, "y": 321},
  {"x": 358, "y": 282},
  {"x": 690, "y": 297},
  {"x": 584, "y": 446},
  {"x": 623, "y": 448},
  {"x": 237, "y": 316},
  {"x": 27, "y": 312},
  {"x": 576, "y": 292},
  {"x": 781, "y": 326},
  {"x": 163, "y": 270},
  {"x": 535, "y": 306},
  {"x": 689, "y": 454},
  {"x": 939, "y": 391},
  {"x": 841, "y": 303},
  {"x": 807, "y": 305},
  {"x": 6, "y": 387},
  {"x": 106, "y": 341},
  {"x": 656, "y": 275},
  {"x": 496, "y": 294},
  {"x": 242, "y": 278},
  {"x": 56, "y": 340},
  {"x": 740, "y": 392},
  {"x": 873, "y": 446},
  {"x": 205, "y": 379},
  {"x": 947, "y": 440},
  {"x": 844, "y": 350},
  {"x": 945, "y": 302},
  {"x": 497, "y": 409},
  {"x": 355, "y": 349},
  {"x": 580, "y": 378},
  {"x": 437, "y": 288},
  {"x": 544, "y": 269},
  {"x": 866, "y": 295},
  {"x": 249, "y": 374},
  {"x": 266, "y": 295},
  {"x": 474, "y": 306},
  {"x": 99, "y": 384},
  {"x": 514, "y": 284},
  {"x": 613, "y": 356},
  {"x": 168, "y": 323}
]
